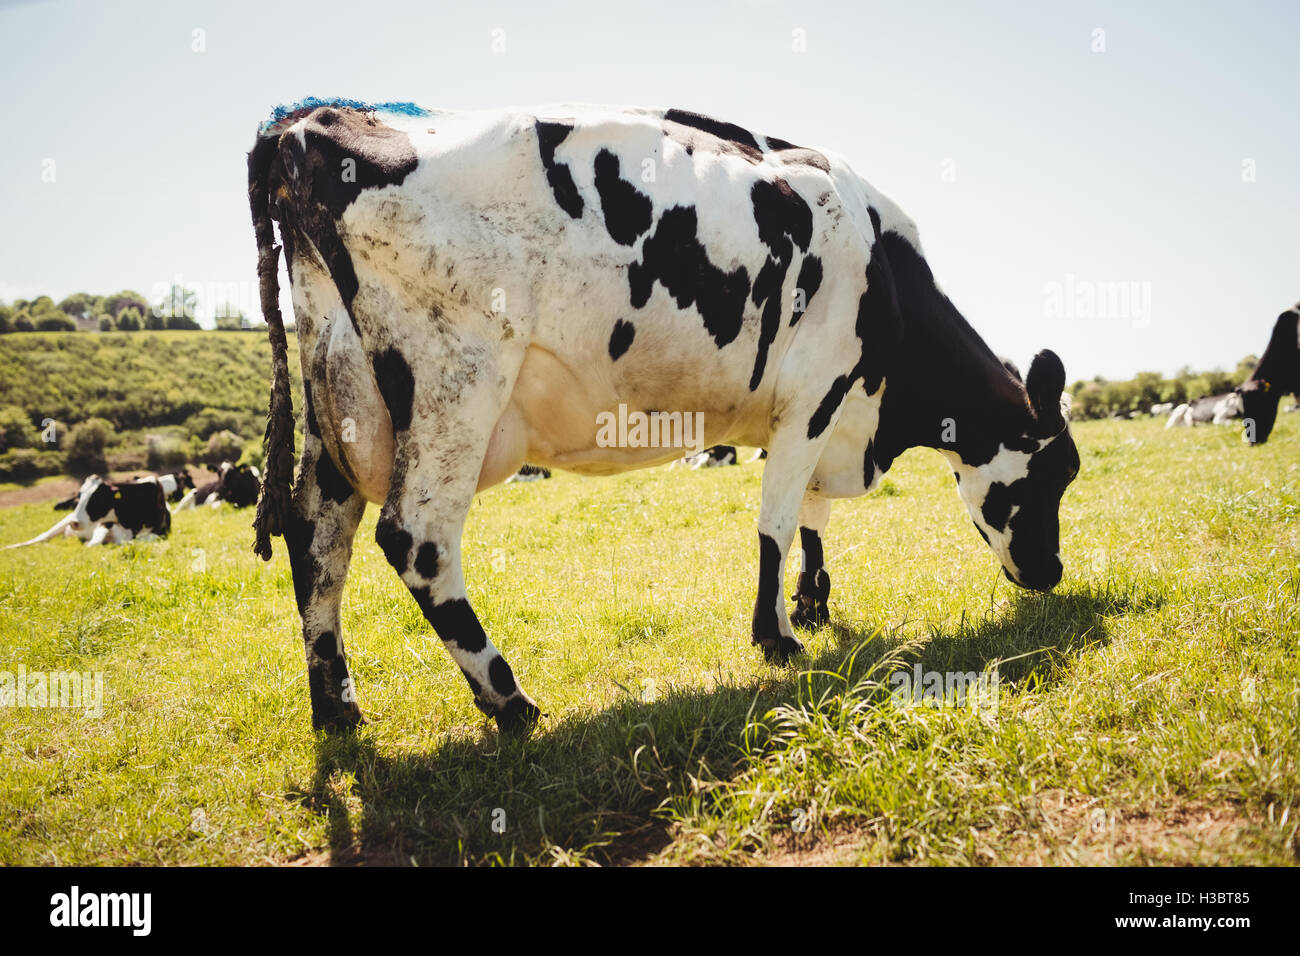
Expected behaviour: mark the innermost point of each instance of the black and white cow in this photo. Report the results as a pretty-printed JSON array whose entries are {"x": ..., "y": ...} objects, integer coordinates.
[
  {"x": 113, "y": 513},
  {"x": 174, "y": 485},
  {"x": 1276, "y": 374},
  {"x": 1212, "y": 409},
  {"x": 235, "y": 485},
  {"x": 476, "y": 290},
  {"x": 715, "y": 457}
]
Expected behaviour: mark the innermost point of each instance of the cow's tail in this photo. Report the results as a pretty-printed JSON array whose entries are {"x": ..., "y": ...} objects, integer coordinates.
[{"x": 277, "y": 472}]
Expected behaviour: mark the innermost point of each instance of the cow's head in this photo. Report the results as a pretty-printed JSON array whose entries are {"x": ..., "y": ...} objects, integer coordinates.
[
  {"x": 1014, "y": 498},
  {"x": 96, "y": 502},
  {"x": 1258, "y": 409}
]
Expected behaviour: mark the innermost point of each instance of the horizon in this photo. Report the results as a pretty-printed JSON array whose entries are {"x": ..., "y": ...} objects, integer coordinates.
[{"x": 1081, "y": 180}]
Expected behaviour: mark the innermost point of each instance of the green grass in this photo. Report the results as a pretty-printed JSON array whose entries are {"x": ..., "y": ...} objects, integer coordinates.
[{"x": 1148, "y": 707}]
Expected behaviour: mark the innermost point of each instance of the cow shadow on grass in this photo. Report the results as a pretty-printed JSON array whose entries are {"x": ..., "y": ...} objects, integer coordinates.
[{"x": 595, "y": 786}]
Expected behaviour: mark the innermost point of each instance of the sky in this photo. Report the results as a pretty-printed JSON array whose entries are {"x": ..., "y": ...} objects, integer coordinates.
[{"x": 1119, "y": 182}]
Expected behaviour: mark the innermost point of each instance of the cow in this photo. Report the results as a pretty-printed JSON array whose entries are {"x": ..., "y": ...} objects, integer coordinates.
[
  {"x": 715, "y": 457},
  {"x": 1213, "y": 409},
  {"x": 1276, "y": 374},
  {"x": 236, "y": 485},
  {"x": 113, "y": 513},
  {"x": 473, "y": 290},
  {"x": 529, "y": 473},
  {"x": 174, "y": 485}
]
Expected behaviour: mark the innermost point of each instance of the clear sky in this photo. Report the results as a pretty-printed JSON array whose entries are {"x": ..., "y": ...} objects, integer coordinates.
[{"x": 1129, "y": 198}]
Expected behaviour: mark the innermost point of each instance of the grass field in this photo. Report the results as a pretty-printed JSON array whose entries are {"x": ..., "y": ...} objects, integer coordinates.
[{"x": 1148, "y": 708}]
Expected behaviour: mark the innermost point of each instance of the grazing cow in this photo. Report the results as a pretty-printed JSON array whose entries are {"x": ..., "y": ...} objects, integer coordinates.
[
  {"x": 113, "y": 513},
  {"x": 236, "y": 485},
  {"x": 760, "y": 454},
  {"x": 1276, "y": 374},
  {"x": 760, "y": 285},
  {"x": 1215, "y": 409}
]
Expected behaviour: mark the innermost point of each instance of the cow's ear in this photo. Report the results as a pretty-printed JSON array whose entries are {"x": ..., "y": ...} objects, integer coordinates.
[
  {"x": 1045, "y": 383},
  {"x": 1010, "y": 366}
]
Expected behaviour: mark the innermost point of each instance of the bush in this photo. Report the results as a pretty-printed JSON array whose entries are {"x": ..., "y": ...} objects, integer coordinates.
[
  {"x": 205, "y": 423},
  {"x": 105, "y": 322},
  {"x": 23, "y": 465},
  {"x": 223, "y": 446},
  {"x": 56, "y": 323},
  {"x": 16, "y": 429},
  {"x": 23, "y": 323},
  {"x": 165, "y": 452},
  {"x": 129, "y": 320},
  {"x": 86, "y": 447}
]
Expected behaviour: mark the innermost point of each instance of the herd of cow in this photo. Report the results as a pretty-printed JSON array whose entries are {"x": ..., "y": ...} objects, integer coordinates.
[
  {"x": 473, "y": 290},
  {"x": 108, "y": 512}
]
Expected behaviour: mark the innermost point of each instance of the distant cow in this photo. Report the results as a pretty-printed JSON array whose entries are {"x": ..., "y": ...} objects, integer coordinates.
[
  {"x": 1215, "y": 409},
  {"x": 529, "y": 473},
  {"x": 1276, "y": 374},
  {"x": 714, "y": 457},
  {"x": 235, "y": 485},
  {"x": 1161, "y": 408},
  {"x": 111, "y": 513},
  {"x": 174, "y": 485}
]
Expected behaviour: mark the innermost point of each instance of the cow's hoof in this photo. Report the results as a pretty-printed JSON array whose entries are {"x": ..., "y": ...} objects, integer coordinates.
[
  {"x": 779, "y": 650},
  {"x": 809, "y": 612},
  {"x": 340, "y": 720},
  {"x": 518, "y": 717}
]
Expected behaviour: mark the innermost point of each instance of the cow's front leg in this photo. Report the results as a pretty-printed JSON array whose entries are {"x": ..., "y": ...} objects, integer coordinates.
[
  {"x": 814, "y": 587},
  {"x": 323, "y": 521},
  {"x": 790, "y": 463}
]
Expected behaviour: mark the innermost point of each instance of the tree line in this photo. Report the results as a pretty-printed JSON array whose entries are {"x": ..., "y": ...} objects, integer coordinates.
[
  {"x": 1100, "y": 398},
  {"x": 125, "y": 311}
]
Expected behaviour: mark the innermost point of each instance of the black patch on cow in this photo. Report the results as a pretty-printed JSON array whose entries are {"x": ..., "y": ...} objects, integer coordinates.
[
  {"x": 997, "y": 506},
  {"x": 142, "y": 506},
  {"x": 549, "y": 136},
  {"x": 875, "y": 221},
  {"x": 830, "y": 402},
  {"x": 206, "y": 491},
  {"x": 620, "y": 340},
  {"x": 426, "y": 560},
  {"x": 330, "y": 480},
  {"x": 341, "y": 153},
  {"x": 503, "y": 678},
  {"x": 303, "y": 567},
  {"x": 396, "y": 386},
  {"x": 810, "y": 280},
  {"x": 394, "y": 542},
  {"x": 788, "y": 152},
  {"x": 455, "y": 620},
  {"x": 627, "y": 211},
  {"x": 784, "y": 221},
  {"x": 313, "y": 426},
  {"x": 782, "y": 216},
  {"x": 326, "y": 646},
  {"x": 674, "y": 257},
  {"x": 101, "y": 501},
  {"x": 731, "y": 138},
  {"x": 765, "y": 622}
]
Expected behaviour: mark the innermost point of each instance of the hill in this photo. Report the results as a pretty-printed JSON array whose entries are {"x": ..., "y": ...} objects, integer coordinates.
[{"x": 156, "y": 399}]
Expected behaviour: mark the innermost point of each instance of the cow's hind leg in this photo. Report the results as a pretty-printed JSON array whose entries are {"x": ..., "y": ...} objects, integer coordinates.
[
  {"x": 441, "y": 448},
  {"x": 322, "y": 523},
  {"x": 814, "y": 587}
]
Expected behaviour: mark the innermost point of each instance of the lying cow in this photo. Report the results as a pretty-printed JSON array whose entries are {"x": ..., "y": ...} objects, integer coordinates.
[
  {"x": 174, "y": 485},
  {"x": 1212, "y": 409},
  {"x": 759, "y": 284},
  {"x": 715, "y": 457},
  {"x": 1276, "y": 374},
  {"x": 235, "y": 485},
  {"x": 113, "y": 513},
  {"x": 529, "y": 473}
]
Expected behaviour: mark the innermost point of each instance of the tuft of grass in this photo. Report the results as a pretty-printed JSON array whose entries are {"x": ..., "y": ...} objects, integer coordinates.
[{"x": 1146, "y": 709}]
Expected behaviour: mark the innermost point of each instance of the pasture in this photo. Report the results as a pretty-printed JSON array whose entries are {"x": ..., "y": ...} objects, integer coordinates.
[{"x": 1148, "y": 708}]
